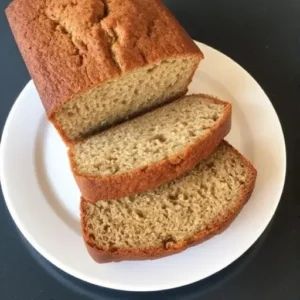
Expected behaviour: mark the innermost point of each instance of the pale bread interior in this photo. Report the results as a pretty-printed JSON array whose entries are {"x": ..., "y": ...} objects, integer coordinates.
[
  {"x": 122, "y": 97},
  {"x": 200, "y": 199},
  {"x": 151, "y": 138}
]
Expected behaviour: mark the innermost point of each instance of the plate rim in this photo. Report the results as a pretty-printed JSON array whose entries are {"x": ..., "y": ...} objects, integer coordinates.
[{"x": 108, "y": 284}]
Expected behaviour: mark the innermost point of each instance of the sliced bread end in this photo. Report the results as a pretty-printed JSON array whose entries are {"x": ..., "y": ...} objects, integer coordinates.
[
  {"x": 173, "y": 217},
  {"x": 148, "y": 151}
]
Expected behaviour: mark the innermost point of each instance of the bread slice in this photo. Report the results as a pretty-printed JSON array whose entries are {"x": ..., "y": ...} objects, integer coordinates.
[
  {"x": 98, "y": 62},
  {"x": 179, "y": 214},
  {"x": 145, "y": 152}
]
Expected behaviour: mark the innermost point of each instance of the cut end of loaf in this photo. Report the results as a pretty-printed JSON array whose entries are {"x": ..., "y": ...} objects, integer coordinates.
[
  {"x": 125, "y": 96},
  {"x": 180, "y": 213}
]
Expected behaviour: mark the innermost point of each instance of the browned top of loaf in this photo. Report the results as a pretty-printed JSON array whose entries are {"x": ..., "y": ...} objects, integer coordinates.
[{"x": 70, "y": 46}]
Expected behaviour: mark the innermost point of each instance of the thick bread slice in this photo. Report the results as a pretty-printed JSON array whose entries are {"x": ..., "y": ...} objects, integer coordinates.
[
  {"x": 145, "y": 152},
  {"x": 96, "y": 63},
  {"x": 179, "y": 214}
]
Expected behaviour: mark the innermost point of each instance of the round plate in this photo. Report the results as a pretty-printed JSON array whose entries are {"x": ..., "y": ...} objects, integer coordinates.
[{"x": 43, "y": 198}]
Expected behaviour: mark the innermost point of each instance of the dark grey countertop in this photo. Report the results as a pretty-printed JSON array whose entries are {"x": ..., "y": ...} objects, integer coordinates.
[{"x": 264, "y": 37}]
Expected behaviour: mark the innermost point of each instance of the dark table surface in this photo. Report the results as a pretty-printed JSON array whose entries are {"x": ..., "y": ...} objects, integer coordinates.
[{"x": 264, "y": 37}]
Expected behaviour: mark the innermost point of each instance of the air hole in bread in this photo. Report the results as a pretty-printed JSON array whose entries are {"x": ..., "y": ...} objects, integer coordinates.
[
  {"x": 173, "y": 196},
  {"x": 159, "y": 137},
  {"x": 140, "y": 214},
  {"x": 169, "y": 243},
  {"x": 152, "y": 69},
  {"x": 192, "y": 133},
  {"x": 92, "y": 236},
  {"x": 215, "y": 117}
]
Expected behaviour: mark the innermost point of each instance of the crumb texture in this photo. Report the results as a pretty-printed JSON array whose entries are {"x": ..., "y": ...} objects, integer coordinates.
[
  {"x": 151, "y": 138},
  {"x": 125, "y": 96},
  {"x": 174, "y": 212}
]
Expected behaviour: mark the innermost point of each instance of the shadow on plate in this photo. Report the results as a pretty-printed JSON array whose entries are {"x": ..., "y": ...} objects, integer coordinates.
[
  {"x": 192, "y": 291},
  {"x": 43, "y": 180}
]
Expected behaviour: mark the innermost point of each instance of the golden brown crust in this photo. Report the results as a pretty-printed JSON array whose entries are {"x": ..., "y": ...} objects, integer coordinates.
[
  {"x": 70, "y": 46},
  {"x": 95, "y": 188},
  {"x": 101, "y": 256}
]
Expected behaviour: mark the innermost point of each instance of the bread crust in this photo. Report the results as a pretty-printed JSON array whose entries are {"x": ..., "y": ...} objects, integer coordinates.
[
  {"x": 100, "y": 256},
  {"x": 95, "y": 188},
  {"x": 71, "y": 46}
]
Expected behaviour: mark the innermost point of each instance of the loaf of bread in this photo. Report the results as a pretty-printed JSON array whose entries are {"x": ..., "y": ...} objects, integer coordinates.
[
  {"x": 179, "y": 214},
  {"x": 98, "y": 62},
  {"x": 147, "y": 151}
]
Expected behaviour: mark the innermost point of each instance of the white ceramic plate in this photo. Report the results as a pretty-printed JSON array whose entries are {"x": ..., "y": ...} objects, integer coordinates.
[{"x": 43, "y": 198}]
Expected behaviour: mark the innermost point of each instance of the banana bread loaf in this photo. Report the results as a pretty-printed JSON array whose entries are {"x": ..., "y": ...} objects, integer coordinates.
[
  {"x": 179, "y": 214},
  {"x": 98, "y": 62}
]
